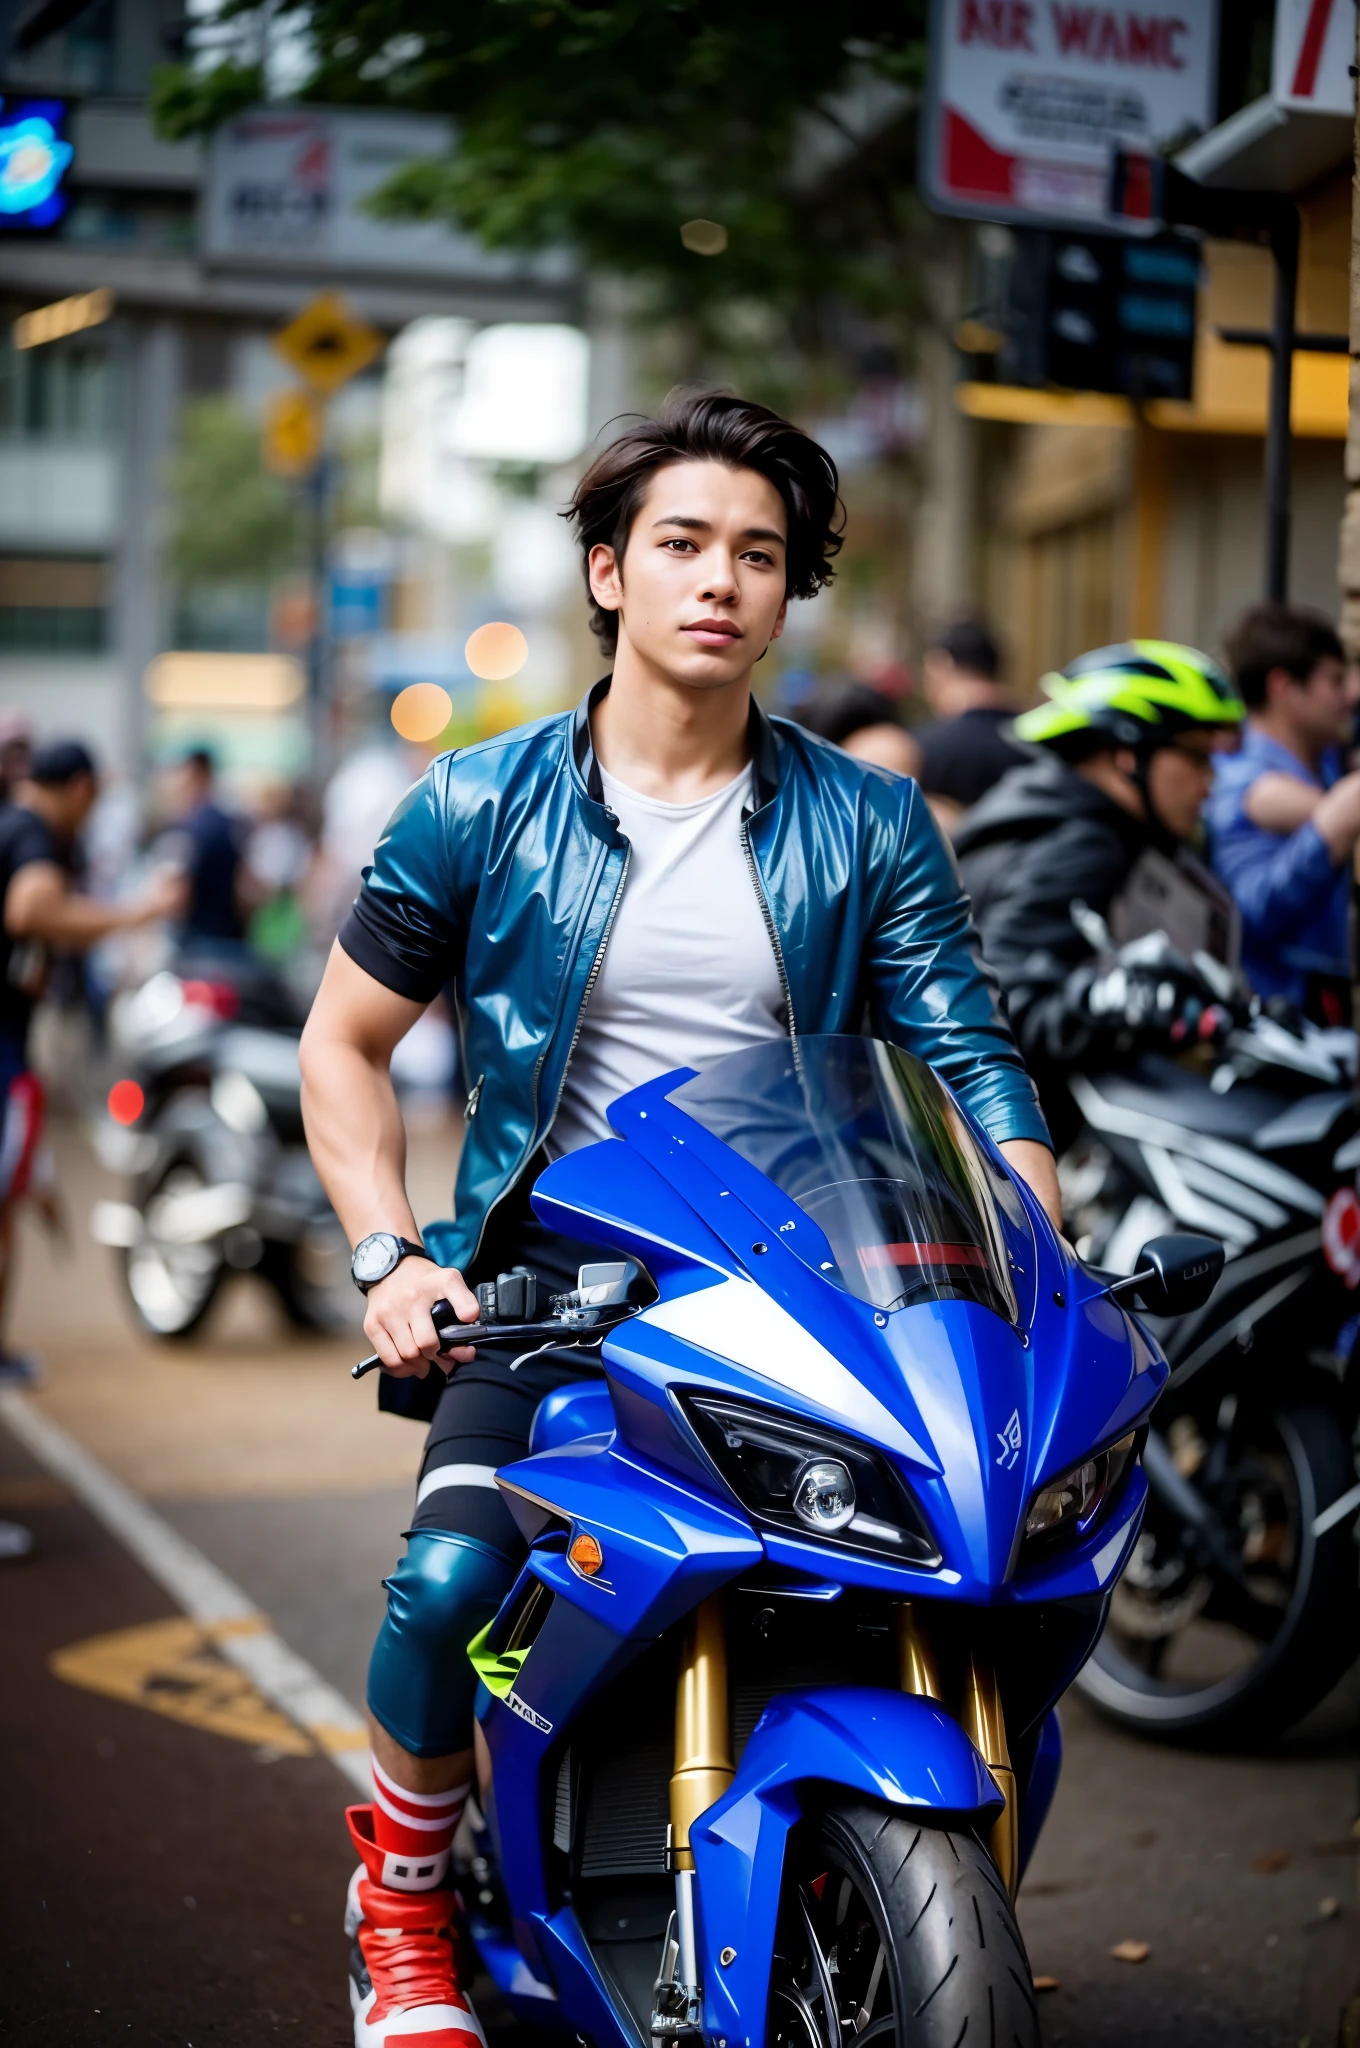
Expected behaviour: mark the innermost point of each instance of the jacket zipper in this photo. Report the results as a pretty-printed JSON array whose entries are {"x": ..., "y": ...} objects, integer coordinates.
[
  {"x": 768, "y": 915},
  {"x": 474, "y": 1096},
  {"x": 591, "y": 980}
]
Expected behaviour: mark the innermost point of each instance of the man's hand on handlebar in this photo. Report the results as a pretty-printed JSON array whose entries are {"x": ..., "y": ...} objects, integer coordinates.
[{"x": 397, "y": 1321}]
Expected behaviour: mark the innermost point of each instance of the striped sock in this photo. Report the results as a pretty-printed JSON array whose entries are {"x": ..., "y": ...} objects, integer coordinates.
[{"x": 415, "y": 1831}]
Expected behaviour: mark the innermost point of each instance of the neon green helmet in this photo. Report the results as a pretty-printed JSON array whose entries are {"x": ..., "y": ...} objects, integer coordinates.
[{"x": 1142, "y": 694}]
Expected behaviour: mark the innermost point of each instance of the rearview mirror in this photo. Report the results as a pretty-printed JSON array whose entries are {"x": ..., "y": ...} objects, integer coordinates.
[{"x": 1173, "y": 1275}]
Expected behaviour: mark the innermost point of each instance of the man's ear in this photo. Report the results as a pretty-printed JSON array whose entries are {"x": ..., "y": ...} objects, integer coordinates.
[
  {"x": 606, "y": 580},
  {"x": 1278, "y": 682},
  {"x": 778, "y": 625}
]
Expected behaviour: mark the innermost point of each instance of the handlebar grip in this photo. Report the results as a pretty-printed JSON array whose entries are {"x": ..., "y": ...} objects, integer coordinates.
[{"x": 446, "y": 1327}]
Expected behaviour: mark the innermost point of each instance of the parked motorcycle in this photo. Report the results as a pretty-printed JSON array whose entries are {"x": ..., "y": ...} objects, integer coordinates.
[
  {"x": 1238, "y": 1609},
  {"x": 769, "y": 1713},
  {"x": 205, "y": 1118}
]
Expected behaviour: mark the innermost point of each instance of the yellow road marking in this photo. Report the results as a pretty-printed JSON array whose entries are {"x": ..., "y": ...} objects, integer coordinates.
[
  {"x": 172, "y": 1668},
  {"x": 238, "y": 1625},
  {"x": 337, "y": 1740}
]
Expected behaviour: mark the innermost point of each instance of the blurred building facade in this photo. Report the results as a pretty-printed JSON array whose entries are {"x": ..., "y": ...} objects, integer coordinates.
[{"x": 206, "y": 253}]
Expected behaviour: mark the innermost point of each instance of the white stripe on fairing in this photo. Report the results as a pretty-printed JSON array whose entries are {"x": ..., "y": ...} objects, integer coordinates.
[
  {"x": 455, "y": 1475},
  {"x": 239, "y": 1631},
  {"x": 738, "y": 1321},
  {"x": 443, "y": 1824},
  {"x": 420, "y": 1798}
]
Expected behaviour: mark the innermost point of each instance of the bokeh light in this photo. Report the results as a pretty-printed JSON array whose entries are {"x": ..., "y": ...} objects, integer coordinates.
[
  {"x": 421, "y": 711},
  {"x": 126, "y": 1102},
  {"x": 496, "y": 651},
  {"x": 704, "y": 237}
]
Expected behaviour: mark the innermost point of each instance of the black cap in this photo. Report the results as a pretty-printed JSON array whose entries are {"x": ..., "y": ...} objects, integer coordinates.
[{"x": 58, "y": 762}]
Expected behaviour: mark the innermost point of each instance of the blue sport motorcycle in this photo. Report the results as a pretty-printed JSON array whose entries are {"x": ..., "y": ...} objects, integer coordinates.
[{"x": 767, "y": 1724}]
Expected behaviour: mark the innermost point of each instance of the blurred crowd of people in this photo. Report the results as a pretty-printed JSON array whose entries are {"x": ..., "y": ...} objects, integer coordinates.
[{"x": 99, "y": 891}]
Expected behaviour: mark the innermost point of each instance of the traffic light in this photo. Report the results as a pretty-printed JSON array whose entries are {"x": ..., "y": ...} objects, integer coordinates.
[{"x": 1101, "y": 313}]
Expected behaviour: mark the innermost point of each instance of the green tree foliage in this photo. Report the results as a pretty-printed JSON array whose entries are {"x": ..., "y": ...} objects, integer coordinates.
[
  {"x": 606, "y": 127},
  {"x": 230, "y": 521}
]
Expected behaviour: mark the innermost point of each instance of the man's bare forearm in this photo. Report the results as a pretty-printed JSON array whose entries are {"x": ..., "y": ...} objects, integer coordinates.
[
  {"x": 1035, "y": 1165},
  {"x": 356, "y": 1137},
  {"x": 358, "y": 1144}
]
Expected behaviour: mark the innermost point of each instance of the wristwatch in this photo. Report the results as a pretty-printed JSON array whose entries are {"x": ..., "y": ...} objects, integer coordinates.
[{"x": 379, "y": 1254}]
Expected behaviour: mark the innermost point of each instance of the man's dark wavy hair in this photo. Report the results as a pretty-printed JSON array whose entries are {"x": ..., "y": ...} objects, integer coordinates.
[
  {"x": 1271, "y": 636},
  {"x": 712, "y": 426}
]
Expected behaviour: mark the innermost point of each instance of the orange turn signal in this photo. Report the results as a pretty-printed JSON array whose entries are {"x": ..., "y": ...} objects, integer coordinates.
[{"x": 586, "y": 1554}]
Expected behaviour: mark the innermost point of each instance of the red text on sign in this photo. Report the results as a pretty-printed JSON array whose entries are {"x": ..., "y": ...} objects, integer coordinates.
[
  {"x": 998, "y": 24},
  {"x": 1105, "y": 35}
]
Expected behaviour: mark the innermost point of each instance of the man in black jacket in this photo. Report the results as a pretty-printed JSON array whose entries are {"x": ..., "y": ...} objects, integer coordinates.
[{"x": 1122, "y": 763}]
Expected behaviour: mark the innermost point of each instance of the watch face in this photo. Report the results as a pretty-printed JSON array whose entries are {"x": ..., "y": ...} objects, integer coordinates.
[{"x": 375, "y": 1257}]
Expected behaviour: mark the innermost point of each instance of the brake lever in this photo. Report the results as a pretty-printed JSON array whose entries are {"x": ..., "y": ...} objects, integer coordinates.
[{"x": 455, "y": 1333}]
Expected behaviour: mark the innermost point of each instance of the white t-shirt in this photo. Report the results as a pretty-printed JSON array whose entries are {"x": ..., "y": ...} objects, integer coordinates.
[{"x": 689, "y": 972}]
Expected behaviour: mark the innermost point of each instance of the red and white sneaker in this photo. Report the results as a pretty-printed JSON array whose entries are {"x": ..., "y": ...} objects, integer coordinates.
[{"x": 404, "y": 1974}]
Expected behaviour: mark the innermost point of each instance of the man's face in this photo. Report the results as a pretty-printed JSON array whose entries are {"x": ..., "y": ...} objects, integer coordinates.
[
  {"x": 1322, "y": 708},
  {"x": 1180, "y": 777},
  {"x": 188, "y": 787},
  {"x": 72, "y": 802},
  {"x": 700, "y": 592}
]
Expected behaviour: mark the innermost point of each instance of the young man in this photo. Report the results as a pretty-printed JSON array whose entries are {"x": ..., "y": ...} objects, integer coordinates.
[
  {"x": 1284, "y": 820},
  {"x": 1123, "y": 759},
  {"x": 39, "y": 912},
  {"x": 204, "y": 843},
  {"x": 658, "y": 879}
]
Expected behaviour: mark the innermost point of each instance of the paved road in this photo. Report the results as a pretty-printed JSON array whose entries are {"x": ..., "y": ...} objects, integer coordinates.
[{"x": 177, "y": 1875}]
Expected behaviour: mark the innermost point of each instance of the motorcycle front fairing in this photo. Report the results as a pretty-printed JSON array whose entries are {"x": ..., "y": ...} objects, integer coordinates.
[{"x": 974, "y": 1404}]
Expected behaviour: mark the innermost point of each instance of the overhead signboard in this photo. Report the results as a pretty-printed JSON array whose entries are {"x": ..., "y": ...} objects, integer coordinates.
[
  {"x": 1313, "y": 54},
  {"x": 1029, "y": 101},
  {"x": 288, "y": 189}
]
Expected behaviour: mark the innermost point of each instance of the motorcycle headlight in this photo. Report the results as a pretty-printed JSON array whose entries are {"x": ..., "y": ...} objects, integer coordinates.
[
  {"x": 1072, "y": 1502},
  {"x": 810, "y": 1481}
]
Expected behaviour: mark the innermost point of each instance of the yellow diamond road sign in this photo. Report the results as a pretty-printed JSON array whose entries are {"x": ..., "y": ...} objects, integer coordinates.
[{"x": 328, "y": 343}]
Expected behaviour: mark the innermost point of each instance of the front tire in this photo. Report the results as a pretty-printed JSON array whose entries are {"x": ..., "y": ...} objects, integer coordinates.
[{"x": 899, "y": 1934}]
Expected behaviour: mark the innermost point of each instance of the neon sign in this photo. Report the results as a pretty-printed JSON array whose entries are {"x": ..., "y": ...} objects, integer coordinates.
[{"x": 34, "y": 159}]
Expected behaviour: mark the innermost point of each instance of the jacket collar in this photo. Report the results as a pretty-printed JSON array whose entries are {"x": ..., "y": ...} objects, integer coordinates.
[{"x": 764, "y": 748}]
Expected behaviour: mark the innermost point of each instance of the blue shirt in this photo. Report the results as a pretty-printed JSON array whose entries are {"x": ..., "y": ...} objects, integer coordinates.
[{"x": 1294, "y": 899}]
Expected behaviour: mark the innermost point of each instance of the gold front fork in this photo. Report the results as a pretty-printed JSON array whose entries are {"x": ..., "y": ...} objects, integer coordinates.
[
  {"x": 983, "y": 1721},
  {"x": 703, "y": 1741},
  {"x": 703, "y": 1772}
]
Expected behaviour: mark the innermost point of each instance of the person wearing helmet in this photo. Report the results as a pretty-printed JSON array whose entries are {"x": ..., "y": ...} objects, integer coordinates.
[{"x": 1121, "y": 763}]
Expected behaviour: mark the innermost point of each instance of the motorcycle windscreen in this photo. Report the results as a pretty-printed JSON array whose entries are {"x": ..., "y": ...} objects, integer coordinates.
[{"x": 870, "y": 1145}]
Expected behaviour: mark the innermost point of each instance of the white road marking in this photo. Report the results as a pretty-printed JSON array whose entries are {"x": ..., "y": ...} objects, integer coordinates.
[{"x": 240, "y": 1632}]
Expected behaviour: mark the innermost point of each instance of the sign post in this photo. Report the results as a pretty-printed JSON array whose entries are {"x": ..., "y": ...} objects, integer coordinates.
[{"x": 327, "y": 344}]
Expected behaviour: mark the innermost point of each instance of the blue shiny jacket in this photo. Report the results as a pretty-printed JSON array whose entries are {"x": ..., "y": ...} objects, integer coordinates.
[{"x": 502, "y": 868}]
